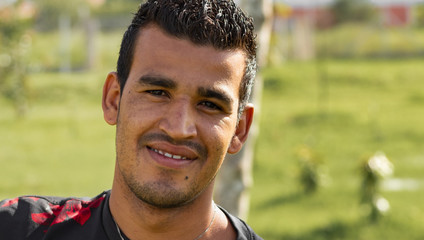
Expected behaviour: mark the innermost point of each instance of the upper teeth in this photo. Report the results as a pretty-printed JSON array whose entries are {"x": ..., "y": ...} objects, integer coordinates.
[{"x": 169, "y": 155}]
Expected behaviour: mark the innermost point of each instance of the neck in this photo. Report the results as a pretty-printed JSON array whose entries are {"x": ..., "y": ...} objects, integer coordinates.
[{"x": 136, "y": 218}]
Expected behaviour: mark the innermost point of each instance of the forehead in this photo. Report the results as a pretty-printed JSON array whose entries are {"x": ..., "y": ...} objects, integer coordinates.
[{"x": 156, "y": 50}]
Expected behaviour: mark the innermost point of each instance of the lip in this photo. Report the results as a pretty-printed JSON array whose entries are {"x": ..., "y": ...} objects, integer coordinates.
[{"x": 162, "y": 158}]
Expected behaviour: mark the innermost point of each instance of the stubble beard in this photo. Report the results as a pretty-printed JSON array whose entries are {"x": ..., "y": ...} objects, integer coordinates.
[{"x": 161, "y": 193}]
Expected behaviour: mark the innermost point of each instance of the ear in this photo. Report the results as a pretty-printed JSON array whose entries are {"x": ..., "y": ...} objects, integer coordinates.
[
  {"x": 111, "y": 98},
  {"x": 242, "y": 129}
]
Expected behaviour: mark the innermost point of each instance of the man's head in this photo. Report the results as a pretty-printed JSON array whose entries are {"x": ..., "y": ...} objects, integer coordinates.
[
  {"x": 218, "y": 23},
  {"x": 179, "y": 98}
]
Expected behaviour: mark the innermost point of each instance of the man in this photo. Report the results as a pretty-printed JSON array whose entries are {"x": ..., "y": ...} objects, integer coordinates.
[{"x": 179, "y": 102}]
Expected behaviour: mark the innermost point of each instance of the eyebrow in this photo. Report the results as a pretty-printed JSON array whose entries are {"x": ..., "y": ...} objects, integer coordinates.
[
  {"x": 217, "y": 94},
  {"x": 157, "y": 81},
  {"x": 171, "y": 84}
]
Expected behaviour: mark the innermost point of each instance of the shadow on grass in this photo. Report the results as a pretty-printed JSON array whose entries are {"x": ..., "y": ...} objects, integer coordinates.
[
  {"x": 335, "y": 230},
  {"x": 282, "y": 200}
]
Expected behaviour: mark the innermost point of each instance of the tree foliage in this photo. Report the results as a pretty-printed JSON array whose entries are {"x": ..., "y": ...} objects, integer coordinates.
[
  {"x": 50, "y": 11},
  {"x": 15, "y": 42},
  {"x": 352, "y": 11},
  {"x": 419, "y": 15}
]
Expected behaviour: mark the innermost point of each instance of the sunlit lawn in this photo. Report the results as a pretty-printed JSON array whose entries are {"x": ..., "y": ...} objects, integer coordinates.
[
  {"x": 368, "y": 106},
  {"x": 62, "y": 146}
]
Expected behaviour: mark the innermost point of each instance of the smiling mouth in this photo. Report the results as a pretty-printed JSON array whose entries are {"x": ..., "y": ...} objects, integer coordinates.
[{"x": 169, "y": 155}]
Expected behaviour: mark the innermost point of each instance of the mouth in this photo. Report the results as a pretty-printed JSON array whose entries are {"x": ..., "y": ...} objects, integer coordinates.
[{"x": 169, "y": 155}]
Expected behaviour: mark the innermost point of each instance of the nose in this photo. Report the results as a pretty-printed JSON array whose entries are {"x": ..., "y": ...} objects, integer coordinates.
[{"x": 179, "y": 120}]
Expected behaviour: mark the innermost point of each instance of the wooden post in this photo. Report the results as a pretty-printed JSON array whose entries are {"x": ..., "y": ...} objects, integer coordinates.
[{"x": 235, "y": 177}]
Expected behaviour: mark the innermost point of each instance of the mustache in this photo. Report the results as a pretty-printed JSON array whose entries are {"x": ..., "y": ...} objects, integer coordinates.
[{"x": 200, "y": 149}]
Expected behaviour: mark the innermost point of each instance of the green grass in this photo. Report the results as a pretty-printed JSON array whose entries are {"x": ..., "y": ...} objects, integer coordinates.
[
  {"x": 368, "y": 106},
  {"x": 344, "y": 110},
  {"x": 62, "y": 146}
]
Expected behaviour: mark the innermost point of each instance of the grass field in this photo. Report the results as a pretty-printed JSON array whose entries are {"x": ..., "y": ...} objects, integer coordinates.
[{"x": 344, "y": 110}]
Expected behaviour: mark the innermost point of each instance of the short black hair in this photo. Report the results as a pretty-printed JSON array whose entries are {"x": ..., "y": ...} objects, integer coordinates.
[{"x": 218, "y": 23}]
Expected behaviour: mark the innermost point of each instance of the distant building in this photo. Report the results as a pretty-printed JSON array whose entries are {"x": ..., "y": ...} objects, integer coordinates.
[
  {"x": 316, "y": 11},
  {"x": 396, "y": 12},
  {"x": 392, "y": 12},
  {"x": 299, "y": 19}
]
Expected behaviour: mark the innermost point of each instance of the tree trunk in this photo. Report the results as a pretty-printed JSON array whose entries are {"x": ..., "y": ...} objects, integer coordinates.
[
  {"x": 303, "y": 38},
  {"x": 235, "y": 177},
  {"x": 65, "y": 32},
  {"x": 90, "y": 30}
]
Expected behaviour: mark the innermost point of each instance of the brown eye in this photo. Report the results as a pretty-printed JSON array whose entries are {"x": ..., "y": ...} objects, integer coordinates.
[
  {"x": 210, "y": 105},
  {"x": 157, "y": 92}
]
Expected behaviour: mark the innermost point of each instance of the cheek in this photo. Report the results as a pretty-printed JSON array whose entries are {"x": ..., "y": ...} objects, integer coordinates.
[
  {"x": 222, "y": 136},
  {"x": 129, "y": 126},
  {"x": 137, "y": 114}
]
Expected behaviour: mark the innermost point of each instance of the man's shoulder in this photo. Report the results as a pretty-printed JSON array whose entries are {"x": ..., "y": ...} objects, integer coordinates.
[
  {"x": 36, "y": 215},
  {"x": 244, "y": 231},
  {"x": 50, "y": 204},
  {"x": 19, "y": 210}
]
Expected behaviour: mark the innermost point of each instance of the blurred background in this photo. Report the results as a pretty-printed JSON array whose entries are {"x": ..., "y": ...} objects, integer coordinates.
[{"x": 340, "y": 148}]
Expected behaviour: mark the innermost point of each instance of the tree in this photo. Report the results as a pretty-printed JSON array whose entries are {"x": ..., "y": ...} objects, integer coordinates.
[
  {"x": 352, "y": 11},
  {"x": 419, "y": 15},
  {"x": 50, "y": 12},
  {"x": 15, "y": 42},
  {"x": 235, "y": 177}
]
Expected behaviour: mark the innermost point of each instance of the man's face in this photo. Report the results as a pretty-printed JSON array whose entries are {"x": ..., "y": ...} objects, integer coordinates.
[{"x": 177, "y": 117}]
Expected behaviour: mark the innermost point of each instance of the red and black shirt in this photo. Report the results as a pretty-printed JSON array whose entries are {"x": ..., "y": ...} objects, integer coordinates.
[{"x": 36, "y": 217}]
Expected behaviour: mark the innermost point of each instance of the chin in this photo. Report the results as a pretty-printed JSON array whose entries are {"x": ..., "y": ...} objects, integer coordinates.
[{"x": 162, "y": 195}]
